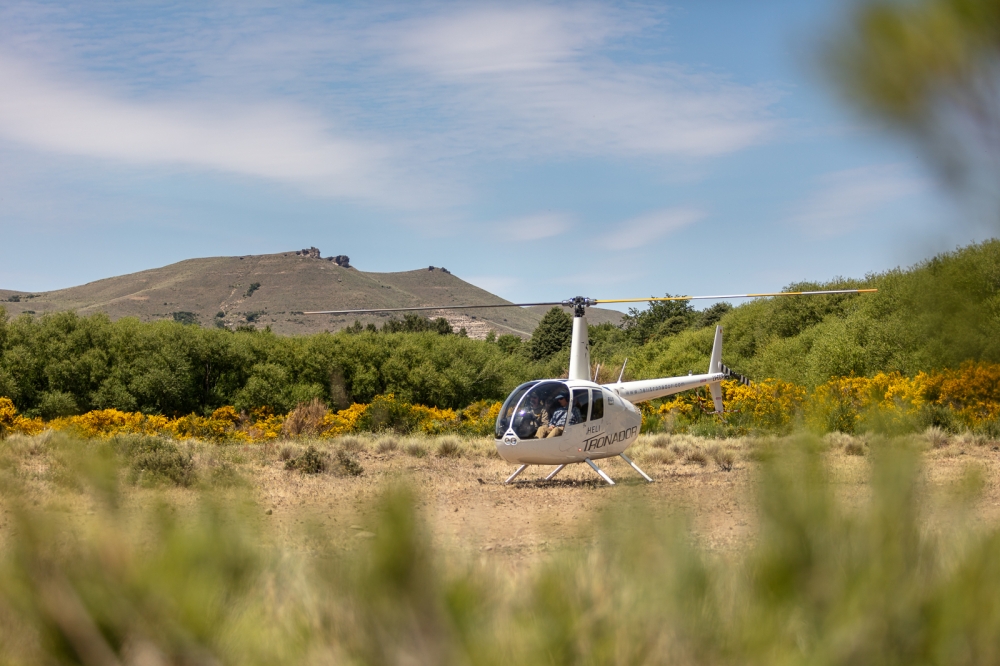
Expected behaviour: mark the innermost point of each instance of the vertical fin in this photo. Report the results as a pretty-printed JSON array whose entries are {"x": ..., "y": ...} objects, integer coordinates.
[{"x": 715, "y": 366}]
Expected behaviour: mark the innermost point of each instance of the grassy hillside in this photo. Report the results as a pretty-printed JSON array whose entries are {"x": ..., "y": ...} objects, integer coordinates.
[
  {"x": 936, "y": 314},
  {"x": 221, "y": 292}
]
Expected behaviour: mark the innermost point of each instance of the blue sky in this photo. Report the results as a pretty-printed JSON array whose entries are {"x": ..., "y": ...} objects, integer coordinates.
[{"x": 540, "y": 151}]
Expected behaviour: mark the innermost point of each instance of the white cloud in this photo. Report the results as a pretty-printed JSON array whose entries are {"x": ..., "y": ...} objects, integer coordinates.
[
  {"x": 267, "y": 140},
  {"x": 533, "y": 227},
  {"x": 844, "y": 200},
  {"x": 650, "y": 227},
  {"x": 396, "y": 104},
  {"x": 539, "y": 80}
]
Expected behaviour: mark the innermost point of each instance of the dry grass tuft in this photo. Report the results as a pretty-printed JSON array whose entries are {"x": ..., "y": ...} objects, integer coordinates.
[
  {"x": 415, "y": 450},
  {"x": 936, "y": 437},
  {"x": 696, "y": 457},
  {"x": 725, "y": 459},
  {"x": 659, "y": 441},
  {"x": 304, "y": 419},
  {"x": 449, "y": 447},
  {"x": 658, "y": 456},
  {"x": 387, "y": 445},
  {"x": 351, "y": 444},
  {"x": 287, "y": 453}
]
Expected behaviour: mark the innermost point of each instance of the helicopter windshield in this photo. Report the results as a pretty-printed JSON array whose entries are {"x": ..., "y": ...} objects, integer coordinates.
[
  {"x": 541, "y": 408},
  {"x": 507, "y": 411}
]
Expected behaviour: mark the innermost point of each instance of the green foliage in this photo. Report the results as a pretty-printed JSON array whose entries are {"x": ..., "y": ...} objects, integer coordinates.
[
  {"x": 413, "y": 323},
  {"x": 928, "y": 67},
  {"x": 188, "y": 318},
  {"x": 155, "y": 460},
  {"x": 53, "y": 404},
  {"x": 821, "y": 581},
  {"x": 552, "y": 335},
  {"x": 252, "y": 288},
  {"x": 938, "y": 314},
  {"x": 660, "y": 319}
]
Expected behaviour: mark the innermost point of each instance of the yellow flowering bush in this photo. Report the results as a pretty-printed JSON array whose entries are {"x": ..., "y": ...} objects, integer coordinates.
[
  {"x": 967, "y": 397},
  {"x": 479, "y": 418},
  {"x": 343, "y": 422},
  {"x": 12, "y": 423},
  {"x": 770, "y": 404}
]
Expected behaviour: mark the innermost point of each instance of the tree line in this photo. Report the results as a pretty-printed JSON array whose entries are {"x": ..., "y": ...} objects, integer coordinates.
[{"x": 937, "y": 314}]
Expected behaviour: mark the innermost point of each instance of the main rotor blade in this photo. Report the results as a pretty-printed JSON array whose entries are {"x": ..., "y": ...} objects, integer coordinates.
[
  {"x": 724, "y": 296},
  {"x": 431, "y": 307}
]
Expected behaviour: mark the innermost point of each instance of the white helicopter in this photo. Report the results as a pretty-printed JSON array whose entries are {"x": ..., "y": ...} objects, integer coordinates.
[{"x": 576, "y": 420}]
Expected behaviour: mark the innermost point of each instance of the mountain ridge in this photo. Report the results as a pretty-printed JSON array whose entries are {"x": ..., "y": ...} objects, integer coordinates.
[{"x": 275, "y": 289}]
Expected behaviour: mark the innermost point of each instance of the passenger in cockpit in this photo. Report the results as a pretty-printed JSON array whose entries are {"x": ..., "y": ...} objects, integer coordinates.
[{"x": 557, "y": 422}]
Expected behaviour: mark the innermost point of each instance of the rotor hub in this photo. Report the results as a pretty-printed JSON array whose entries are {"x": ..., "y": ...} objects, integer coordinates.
[{"x": 579, "y": 304}]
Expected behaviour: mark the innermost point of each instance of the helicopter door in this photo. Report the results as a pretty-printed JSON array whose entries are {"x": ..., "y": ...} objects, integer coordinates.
[{"x": 576, "y": 423}]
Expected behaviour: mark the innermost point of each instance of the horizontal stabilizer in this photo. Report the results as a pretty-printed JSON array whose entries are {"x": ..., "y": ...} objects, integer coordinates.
[{"x": 728, "y": 372}]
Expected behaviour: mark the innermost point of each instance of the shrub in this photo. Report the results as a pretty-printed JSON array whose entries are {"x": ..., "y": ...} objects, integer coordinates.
[
  {"x": 162, "y": 462},
  {"x": 310, "y": 461},
  {"x": 348, "y": 464}
]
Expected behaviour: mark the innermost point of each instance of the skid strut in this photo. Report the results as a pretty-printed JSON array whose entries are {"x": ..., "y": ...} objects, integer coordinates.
[
  {"x": 554, "y": 472},
  {"x": 516, "y": 472},
  {"x": 599, "y": 471},
  {"x": 635, "y": 467}
]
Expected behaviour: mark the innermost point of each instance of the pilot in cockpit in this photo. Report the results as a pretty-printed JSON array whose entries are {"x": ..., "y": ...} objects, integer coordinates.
[{"x": 535, "y": 416}]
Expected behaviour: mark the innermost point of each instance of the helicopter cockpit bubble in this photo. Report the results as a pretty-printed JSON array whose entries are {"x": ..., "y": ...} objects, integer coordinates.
[
  {"x": 509, "y": 405},
  {"x": 537, "y": 408}
]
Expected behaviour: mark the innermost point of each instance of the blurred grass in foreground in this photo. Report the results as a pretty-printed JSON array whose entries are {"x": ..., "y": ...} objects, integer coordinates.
[{"x": 195, "y": 578}]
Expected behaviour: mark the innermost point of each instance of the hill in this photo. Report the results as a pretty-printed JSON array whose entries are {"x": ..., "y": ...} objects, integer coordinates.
[
  {"x": 275, "y": 289},
  {"x": 940, "y": 313}
]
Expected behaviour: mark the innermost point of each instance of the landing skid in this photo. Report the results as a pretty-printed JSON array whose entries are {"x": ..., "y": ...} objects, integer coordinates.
[{"x": 593, "y": 466}]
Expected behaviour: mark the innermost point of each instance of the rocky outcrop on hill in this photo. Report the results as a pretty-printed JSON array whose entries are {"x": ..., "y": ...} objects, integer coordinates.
[{"x": 341, "y": 260}]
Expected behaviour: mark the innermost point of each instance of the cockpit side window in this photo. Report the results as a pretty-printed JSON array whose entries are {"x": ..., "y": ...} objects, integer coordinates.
[
  {"x": 509, "y": 405},
  {"x": 540, "y": 407},
  {"x": 597, "y": 411},
  {"x": 581, "y": 401}
]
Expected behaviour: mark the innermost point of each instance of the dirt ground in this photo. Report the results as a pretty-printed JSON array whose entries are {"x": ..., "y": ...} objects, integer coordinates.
[
  {"x": 471, "y": 512},
  {"x": 469, "y": 509}
]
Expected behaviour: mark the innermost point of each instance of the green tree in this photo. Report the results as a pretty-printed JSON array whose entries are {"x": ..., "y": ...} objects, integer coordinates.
[
  {"x": 552, "y": 335},
  {"x": 660, "y": 319}
]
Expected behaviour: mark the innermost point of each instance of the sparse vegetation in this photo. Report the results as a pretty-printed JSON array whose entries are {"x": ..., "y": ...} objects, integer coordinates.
[
  {"x": 254, "y": 286},
  {"x": 218, "y": 570},
  {"x": 309, "y": 461}
]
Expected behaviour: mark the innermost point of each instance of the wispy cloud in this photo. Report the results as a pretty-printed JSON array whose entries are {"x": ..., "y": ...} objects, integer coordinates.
[
  {"x": 268, "y": 140},
  {"x": 394, "y": 104},
  {"x": 544, "y": 75},
  {"x": 845, "y": 200},
  {"x": 533, "y": 227},
  {"x": 650, "y": 227}
]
